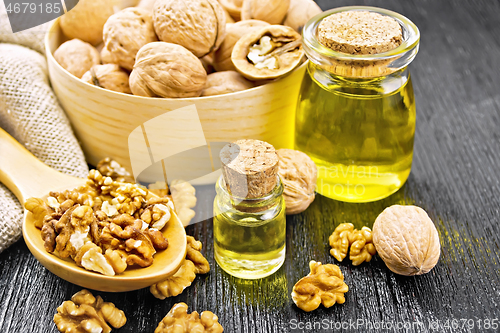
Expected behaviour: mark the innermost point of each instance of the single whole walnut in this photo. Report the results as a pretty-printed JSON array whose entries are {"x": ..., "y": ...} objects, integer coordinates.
[
  {"x": 406, "y": 239},
  {"x": 77, "y": 57},
  {"x": 198, "y": 25},
  {"x": 234, "y": 31},
  {"x": 108, "y": 76},
  {"x": 298, "y": 174},
  {"x": 272, "y": 11},
  {"x": 268, "y": 53},
  {"x": 167, "y": 70},
  {"x": 299, "y": 12},
  {"x": 124, "y": 34},
  {"x": 233, "y": 7},
  {"x": 324, "y": 285},
  {"x": 219, "y": 83},
  {"x": 87, "y": 19},
  {"x": 86, "y": 313},
  {"x": 179, "y": 321}
]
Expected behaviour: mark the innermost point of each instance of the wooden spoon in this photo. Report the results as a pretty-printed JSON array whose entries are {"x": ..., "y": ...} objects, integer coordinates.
[{"x": 26, "y": 177}]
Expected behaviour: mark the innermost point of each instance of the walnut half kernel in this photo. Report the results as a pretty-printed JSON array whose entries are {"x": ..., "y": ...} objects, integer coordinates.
[
  {"x": 268, "y": 53},
  {"x": 359, "y": 241},
  {"x": 324, "y": 285},
  {"x": 179, "y": 321},
  {"x": 86, "y": 313}
]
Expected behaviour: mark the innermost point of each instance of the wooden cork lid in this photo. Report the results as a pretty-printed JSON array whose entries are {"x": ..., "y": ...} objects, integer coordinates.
[
  {"x": 249, "y": 168},
  {"x": 360, "y": 32}
]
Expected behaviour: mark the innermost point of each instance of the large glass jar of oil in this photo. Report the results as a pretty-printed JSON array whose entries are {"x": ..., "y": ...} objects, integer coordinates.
[
  {"x": 249, "y": 211},
  {"x": 356, "y": 112}
]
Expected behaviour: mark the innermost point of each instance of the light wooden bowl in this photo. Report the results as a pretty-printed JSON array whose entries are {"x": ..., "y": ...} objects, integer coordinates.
[{"x": 103, "y": 119}]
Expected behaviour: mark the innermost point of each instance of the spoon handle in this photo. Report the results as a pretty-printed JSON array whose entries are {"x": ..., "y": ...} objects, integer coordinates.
[{"x": 24, "y": 174}]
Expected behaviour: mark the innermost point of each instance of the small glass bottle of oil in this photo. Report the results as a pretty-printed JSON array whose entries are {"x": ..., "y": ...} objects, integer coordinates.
[
  {"x": 356, "y": 111},
  {"x": 249, "y": 211}
]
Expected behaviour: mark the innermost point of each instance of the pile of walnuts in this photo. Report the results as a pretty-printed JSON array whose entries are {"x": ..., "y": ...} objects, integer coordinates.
[
  {"x": 104, "y": 226},
  {"x": 183, "y": 48}
]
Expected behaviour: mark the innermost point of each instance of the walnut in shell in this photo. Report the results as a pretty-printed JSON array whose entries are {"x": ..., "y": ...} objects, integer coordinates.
[
  {"x": 406, "y": 239},
  {"x": 198, "y": 25},
  {"x": 299, "y": 12},
  {"x": 324, "y": 285},
  {"x": 87, "y": 19},
  {"x": 272, "y": 11},
  {"x": 77, "y": 57},
  {"x": 179, "y": 321},
  {"x": 108, "y": 76},
  {"x": 220, "y": 83},
  {"x": 268, "y": 53},
  {"x": 222, "y": 57},
  {"x": 167, "y": 70},
  {"x": 233, "y": 7},
  {"x": 124, "y": 34},
  {"x": 298, "y": 174}
]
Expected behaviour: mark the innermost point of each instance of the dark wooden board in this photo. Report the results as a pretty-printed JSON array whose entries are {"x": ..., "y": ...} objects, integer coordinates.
[{"x": 455, "y": 177}]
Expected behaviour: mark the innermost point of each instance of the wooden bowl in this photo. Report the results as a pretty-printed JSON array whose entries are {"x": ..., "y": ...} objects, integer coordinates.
[{"x": 103, "y": 119}]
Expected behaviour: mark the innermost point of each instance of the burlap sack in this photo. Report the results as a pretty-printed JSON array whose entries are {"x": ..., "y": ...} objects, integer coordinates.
[{"x": 30, "y": 112}]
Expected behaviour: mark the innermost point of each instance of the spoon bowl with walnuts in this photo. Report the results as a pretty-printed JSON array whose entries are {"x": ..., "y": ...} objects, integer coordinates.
[{"x": 97, "y": 233}]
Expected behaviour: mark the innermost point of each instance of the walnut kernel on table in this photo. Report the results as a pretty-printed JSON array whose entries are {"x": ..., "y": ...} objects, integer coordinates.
[
  {"x": 299, "y": 175},
  {"x": 167, "y": 70},
  {"x": 197, "y": 25},
  {"x": 108, "y": 76},
  {"x": 179, "y": 321},
  {"x": 195, "y": 263},
  {"x": 406, "y": 240},
  {"x": 86, "y": 313},
  {"x": 124, "y": 34},
  {"x": 324, "y": 285},
  {"x": 77, "y": 57},
  {"x": 184, "y": 198},
  {"x": 359, "y": 241}
]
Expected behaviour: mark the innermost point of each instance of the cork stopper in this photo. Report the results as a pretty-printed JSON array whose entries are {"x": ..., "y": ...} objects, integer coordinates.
[
  {"x": 360, "y": 32},
  {"x": 249, "y": 168}
]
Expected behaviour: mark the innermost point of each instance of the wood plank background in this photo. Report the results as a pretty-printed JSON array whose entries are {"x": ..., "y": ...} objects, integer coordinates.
[{"x": 455, "y": 177}]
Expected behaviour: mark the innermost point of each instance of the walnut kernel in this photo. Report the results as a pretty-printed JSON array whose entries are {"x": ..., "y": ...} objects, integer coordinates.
[
  {"x": 359, "y": 241},
  {"x": 184, "y": 198},
  {"x": 86, "y": 313},
  {"x": 179, "y": 321},
  {"x": 324, "y": 285}
]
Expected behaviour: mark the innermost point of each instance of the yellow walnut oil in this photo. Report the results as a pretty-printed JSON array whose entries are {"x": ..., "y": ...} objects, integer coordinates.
[
  {"x": 356, "y": 114},
  {"x": 359, "y": 132},
  {"x": 249, "y": 243}
]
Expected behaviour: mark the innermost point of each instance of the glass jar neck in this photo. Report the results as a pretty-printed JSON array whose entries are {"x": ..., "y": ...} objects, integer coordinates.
[
  {"x": 249, "y": 205},
  {"x": 366, "y": 65}
]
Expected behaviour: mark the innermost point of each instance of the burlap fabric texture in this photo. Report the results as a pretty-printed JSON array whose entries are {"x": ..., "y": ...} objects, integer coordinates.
[{"x": 30, "y": 112}]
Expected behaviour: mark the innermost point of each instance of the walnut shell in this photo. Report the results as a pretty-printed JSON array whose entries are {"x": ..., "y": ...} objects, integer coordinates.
[
  {"x": 198, "y": 25},
  {"x": 77, "y": 57},
  {"x": 299, "y": 12},
  {"x": 167, "y": 70},
  {"x": 222, "y": 57},
  {"x": 109, "y": 76},
  {"x": 233, "y": 7},
  {"x": 219, "y": 83},
  {"x": 124, "y": 34},
  {"x": 147, "y": 4},
  {"x": 87, "y": 19},
  {"x": 272, "y": 11},
  {"x": 299, "y": 175},
  {"x": 406, "y": 239},
  {"x": 279, "y": 45}
]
